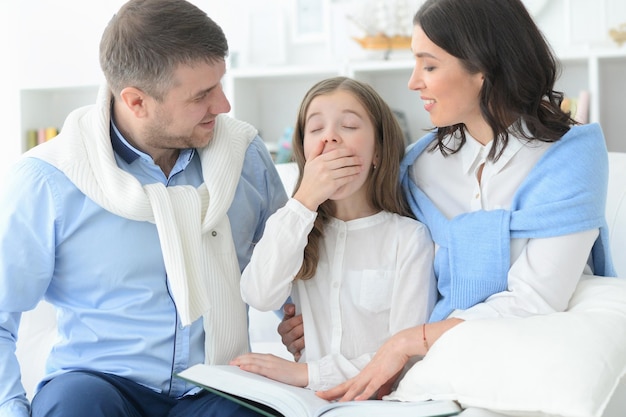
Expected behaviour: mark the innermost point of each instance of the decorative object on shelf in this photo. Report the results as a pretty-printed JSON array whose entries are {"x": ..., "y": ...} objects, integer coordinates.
[
  {"x": 578, "y": 107},
  {"x": 310, "y": 21},
  {"x": 384, "y": 42},
  {"x": 619, "y": 34},
  {"x": 285, "y": 152},
  {"x": 35, "y": 137},
  {"x": 387, "y": 25}
]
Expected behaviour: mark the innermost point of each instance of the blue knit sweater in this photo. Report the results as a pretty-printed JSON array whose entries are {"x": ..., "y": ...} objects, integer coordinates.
[{"x": 564, "y": 193}]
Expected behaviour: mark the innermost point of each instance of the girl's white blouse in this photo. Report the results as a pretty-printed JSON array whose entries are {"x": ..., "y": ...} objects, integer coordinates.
[{"x": 374, "y": 278}]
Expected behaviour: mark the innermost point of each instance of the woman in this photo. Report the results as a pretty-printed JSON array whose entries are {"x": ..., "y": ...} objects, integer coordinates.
[{"x": 511, "y": 189}]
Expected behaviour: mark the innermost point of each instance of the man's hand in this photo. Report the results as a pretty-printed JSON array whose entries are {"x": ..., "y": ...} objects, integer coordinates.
[{"x": 291, "y": 331}]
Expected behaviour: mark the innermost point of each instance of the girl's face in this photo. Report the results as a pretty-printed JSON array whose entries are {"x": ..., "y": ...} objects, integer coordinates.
[
  {"x": 340, "y": 121},
  {"x": 449, "y": 92}
]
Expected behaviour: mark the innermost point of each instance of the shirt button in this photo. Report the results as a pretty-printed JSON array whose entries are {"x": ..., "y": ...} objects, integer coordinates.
[
  {"x": 477, "y": 196},
  {"x": 213, "y": 233}
]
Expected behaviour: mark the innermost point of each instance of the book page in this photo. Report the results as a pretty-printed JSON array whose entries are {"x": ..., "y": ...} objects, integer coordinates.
[
  {"x": 294, "y": 401},
  {"x": 378, "y": 408},
  {"x": 286, "y": 399}
]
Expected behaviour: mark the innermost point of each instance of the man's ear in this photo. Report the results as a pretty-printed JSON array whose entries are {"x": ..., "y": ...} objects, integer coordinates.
[{"x": 135, "y": 100}]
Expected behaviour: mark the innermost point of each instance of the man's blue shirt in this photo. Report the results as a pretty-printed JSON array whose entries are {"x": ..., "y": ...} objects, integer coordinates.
[{"x": 105, "y": 273}]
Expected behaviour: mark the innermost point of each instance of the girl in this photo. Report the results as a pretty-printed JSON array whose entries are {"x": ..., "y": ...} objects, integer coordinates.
[{"x": 344, "y": 247}]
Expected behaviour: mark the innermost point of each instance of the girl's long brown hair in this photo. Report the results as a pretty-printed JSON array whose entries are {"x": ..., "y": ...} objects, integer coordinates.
[{"x": 383, "y": 187}]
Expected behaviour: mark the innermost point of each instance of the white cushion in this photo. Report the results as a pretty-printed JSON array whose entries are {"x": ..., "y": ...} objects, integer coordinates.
[{"x": 565, "y": 364}]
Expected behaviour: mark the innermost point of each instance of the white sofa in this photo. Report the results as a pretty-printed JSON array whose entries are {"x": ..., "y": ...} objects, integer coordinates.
[{"x": 37, "y": 331}]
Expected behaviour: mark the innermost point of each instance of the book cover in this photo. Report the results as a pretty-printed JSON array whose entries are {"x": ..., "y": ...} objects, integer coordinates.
[{"x": 272, "y": 398}]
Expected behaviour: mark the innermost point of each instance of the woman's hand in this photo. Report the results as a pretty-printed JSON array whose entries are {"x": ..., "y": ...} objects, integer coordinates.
[
  {"x": 388, "y": 361},
  {"x": 273, "y": 367},
  {"x": 382, "y": 369},
  {"x": 291, "y": 331}
]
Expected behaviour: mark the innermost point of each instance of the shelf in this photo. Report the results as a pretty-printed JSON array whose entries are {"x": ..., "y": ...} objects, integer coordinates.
[
  {"x": 48, "y": 107},
  {"x": 269, "y": 98},
  {"x": 390, "y": 79},
  {"x": 280, "y": 72},
  {"x": 612, "y": 91}
]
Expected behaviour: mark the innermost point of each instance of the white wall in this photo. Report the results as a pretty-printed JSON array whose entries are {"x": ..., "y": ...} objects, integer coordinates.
[
  {"x": 9, "y": 104},
  {"x": 568, "y": 24},
  {"x": 55, "y": 48}
]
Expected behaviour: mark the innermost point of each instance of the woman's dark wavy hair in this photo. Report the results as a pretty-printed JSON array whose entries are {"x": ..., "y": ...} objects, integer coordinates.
[
  {"x": 499, "y": 39},
  {"x": 383, "y": 186}
]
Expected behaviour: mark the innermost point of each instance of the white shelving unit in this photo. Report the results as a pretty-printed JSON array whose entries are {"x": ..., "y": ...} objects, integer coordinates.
[
  {"x": 611, "y": 91},
  {"x": 48, "y": 107},
  {"x": 390, "y": 79},
  {"x": 603, "y": 73},
  {"x": 269, "y": 98}
]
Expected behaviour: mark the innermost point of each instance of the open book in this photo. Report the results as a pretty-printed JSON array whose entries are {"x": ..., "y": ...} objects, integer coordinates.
[{"x": 271, "y": 398}]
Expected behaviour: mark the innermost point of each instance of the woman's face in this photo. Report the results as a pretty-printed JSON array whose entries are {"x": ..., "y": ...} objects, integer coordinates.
[{"x": 449, "y": 92}]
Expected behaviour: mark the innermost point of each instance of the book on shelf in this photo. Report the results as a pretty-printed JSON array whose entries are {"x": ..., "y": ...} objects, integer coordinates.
[
  {"x": 578, "y": 107},
  {"x": 272, "y": 398},
  {"x": 35, "y": 137}
]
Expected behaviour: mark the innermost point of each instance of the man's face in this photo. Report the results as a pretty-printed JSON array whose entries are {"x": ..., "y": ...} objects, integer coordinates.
[{"x": 185, "y": 118}]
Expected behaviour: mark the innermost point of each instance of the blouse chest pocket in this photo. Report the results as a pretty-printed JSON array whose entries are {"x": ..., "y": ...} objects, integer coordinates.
[{"x": 371, "y": 289}]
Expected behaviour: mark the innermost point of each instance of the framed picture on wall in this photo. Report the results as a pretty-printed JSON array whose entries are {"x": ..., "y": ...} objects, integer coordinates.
[{"x": 310, "y": 21}]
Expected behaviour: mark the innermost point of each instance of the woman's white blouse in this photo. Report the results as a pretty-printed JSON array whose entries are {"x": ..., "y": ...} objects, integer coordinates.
[
  {"x": 374, "y": 278},
  {"x": 544, "y": 272}
]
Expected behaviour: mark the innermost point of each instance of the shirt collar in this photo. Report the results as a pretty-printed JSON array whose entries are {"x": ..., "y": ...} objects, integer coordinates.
[
  {"x": 121, "y": 146},
  {"x": 129, "y": 153},
  {"x": 474, "y": 152}
]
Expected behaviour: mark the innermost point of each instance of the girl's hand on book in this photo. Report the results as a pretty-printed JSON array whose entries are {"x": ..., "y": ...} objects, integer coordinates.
[{"x": 275, "y": 368}]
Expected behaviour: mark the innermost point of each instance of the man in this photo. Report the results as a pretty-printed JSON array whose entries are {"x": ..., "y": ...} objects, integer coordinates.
[{"x": 135, "y": 223}]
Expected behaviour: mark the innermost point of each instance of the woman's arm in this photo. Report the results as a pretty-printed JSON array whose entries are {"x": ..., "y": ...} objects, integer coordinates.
[
  {"x": 542, "y": 278},
  {"x": 389, "y": 361}
]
